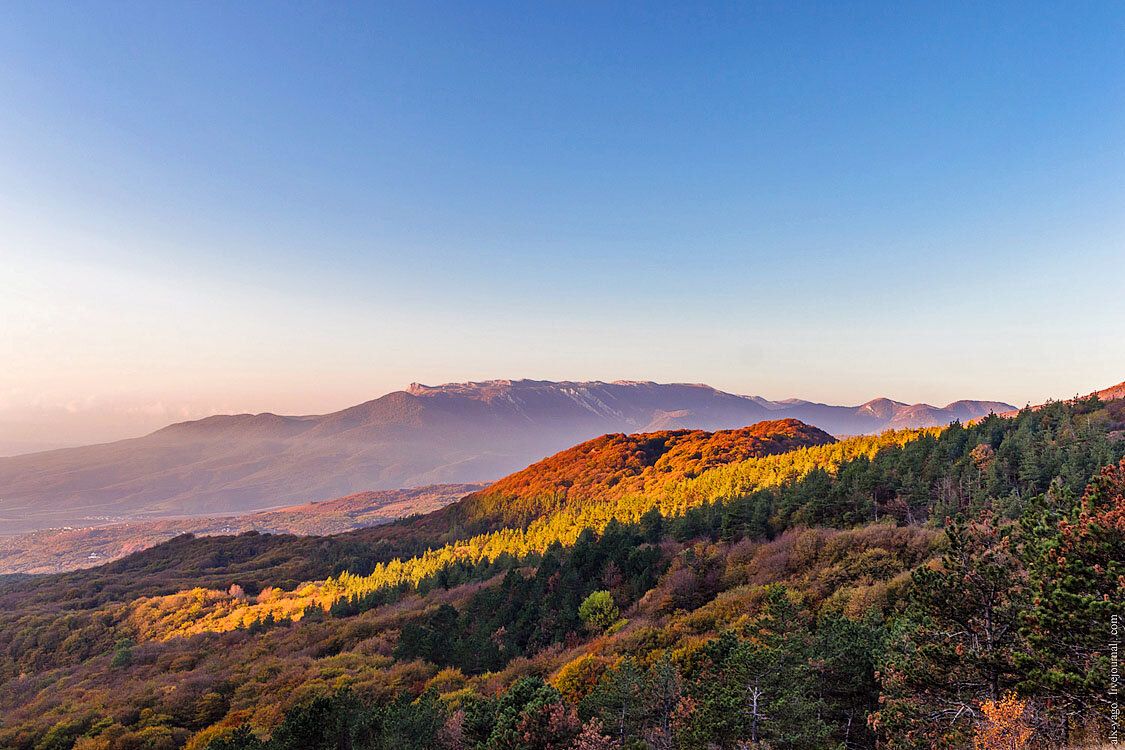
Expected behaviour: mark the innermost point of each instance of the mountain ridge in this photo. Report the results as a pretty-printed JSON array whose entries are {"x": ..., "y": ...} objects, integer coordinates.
[
  {"x": 490, "y": 390},
  {"x": 451, "y": 433}
]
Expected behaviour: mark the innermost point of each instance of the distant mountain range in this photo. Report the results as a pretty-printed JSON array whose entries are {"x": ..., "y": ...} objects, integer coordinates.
[{"x": 462, "y": 432}]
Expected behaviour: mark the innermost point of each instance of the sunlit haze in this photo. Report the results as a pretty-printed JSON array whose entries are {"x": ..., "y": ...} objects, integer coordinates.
[{"x": 216, "y": 208}]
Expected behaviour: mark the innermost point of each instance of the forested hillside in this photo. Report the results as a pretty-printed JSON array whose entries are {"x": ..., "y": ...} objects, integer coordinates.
[
  {"x": 669, "y": 590},
  {"x": 614, "y": 466}
]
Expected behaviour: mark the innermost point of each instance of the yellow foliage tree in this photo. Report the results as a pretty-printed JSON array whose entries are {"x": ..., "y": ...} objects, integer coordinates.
[{"x": 1005, "y": 726}]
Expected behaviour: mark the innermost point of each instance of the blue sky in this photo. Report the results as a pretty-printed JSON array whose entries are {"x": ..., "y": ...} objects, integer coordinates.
[{"x": 294, "y": 207}]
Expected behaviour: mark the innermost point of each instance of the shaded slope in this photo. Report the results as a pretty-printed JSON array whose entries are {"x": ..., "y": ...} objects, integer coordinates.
[{"x": 57, "y": 551}]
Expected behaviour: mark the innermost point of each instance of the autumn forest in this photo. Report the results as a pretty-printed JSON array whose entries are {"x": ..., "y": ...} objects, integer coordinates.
[{"x": 764, "y": 587}]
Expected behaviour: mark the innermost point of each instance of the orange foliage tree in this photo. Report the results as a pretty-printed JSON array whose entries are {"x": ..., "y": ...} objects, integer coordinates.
[{"x": 1005, "y": 726}]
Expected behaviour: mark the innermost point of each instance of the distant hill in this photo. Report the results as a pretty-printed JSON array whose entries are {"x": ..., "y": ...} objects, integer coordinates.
[{"x": 424, "y": 435}]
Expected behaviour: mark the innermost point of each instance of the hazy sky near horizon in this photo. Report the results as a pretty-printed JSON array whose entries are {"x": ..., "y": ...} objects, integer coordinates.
[{"x": 293, "y": 207}]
